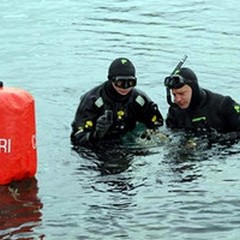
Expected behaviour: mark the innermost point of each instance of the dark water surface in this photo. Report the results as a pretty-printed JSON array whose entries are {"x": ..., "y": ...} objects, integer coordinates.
[{"x": 57, "y": 50}]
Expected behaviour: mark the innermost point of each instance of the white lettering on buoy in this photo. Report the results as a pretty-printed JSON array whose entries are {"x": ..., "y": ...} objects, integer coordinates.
[
  {"x": 5, "y": 145},
  {"x": 34, "y": 145}
]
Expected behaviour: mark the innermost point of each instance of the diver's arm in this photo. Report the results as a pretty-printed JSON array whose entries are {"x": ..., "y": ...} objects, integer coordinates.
[
  {"x": 83, "y": 123},
  {"x": 148, "y": 111},
  {"x": 231, "y": 114},
  {"x": 90, "y": 132},
  {"x": 171, "y": 120}
]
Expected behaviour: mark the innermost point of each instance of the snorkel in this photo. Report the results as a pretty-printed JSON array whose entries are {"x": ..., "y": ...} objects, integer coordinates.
[{"x": 177, "y": 68}]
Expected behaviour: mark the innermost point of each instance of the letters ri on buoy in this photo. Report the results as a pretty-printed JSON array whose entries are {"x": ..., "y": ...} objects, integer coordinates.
[{"x": 6, "y": 144}]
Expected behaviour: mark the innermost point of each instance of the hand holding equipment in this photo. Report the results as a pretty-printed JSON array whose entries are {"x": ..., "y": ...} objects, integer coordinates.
[{"x": 103, "y": 124}]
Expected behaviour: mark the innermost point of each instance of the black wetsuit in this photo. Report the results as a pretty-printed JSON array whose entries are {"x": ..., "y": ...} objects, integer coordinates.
[
  {"x": 210, "y": 111},
  {"x": 127, "y": 110}
]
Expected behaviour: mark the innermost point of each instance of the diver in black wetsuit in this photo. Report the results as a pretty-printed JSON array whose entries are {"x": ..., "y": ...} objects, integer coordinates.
[
  {"x": 198, "y": 109},
  {"x": 114, "y": 108}
]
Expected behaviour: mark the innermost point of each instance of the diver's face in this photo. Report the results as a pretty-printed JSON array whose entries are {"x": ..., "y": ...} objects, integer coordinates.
[
  {"x": 182, "y": 96},
  {"x": 122, "y": 91}
]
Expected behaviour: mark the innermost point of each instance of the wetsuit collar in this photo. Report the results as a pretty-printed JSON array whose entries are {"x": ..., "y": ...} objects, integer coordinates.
[{"x": 113, "y": 94}]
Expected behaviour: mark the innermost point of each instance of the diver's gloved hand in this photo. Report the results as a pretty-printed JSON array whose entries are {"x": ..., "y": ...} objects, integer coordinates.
[
  {"x": 103, "y": 124},
  {"x": 158, "y": 136},
  {"x": 156, "y": 116}
]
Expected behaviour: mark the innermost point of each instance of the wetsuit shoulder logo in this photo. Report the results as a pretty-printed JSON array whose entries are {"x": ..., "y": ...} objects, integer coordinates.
[
  {"x": 140, "y": 100},
  {"x": 99, "y": 102}
]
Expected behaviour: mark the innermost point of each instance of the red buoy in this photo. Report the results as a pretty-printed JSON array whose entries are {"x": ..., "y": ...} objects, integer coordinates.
[{"x": 18, "y": 153}]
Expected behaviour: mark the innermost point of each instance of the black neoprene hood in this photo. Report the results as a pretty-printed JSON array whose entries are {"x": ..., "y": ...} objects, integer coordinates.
[
  {"x": 121, "y": 67},
  {"x": 192, "y": 81}
]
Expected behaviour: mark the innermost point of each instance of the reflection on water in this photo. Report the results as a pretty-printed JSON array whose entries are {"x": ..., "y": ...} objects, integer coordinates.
[
  {"x": 20, "y": 210},
  {"x": 179, "y": 201},
  {"x": 111, "y": 158},
  {"x": 187, "y": 153}
]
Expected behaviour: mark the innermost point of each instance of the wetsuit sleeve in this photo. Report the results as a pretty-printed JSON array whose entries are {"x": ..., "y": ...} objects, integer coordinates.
[
  {"x": 84, "y": 123},
  {"x": 231, "y": 113},
  {"x": 154, "y": 117},
  {"x": 149, "y": 113},
  {"x": 171, "y": 120}
]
